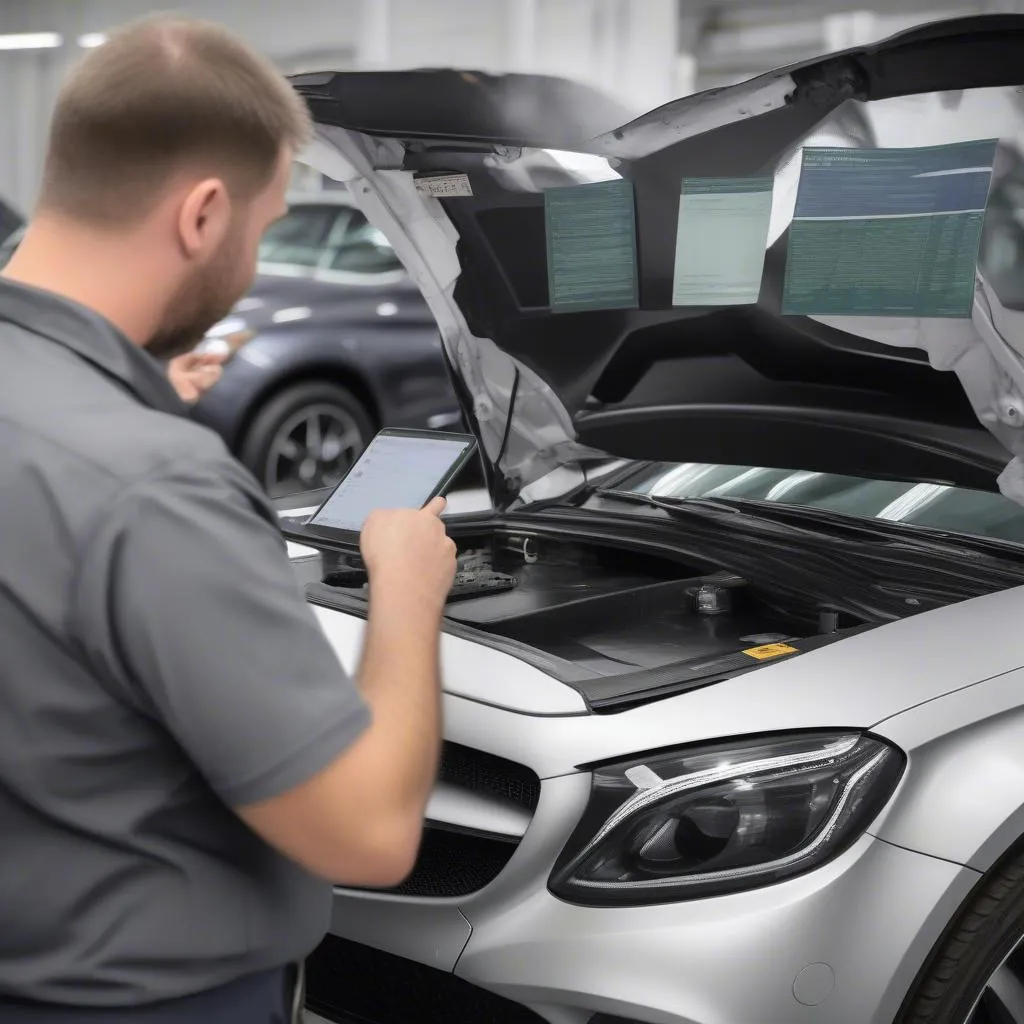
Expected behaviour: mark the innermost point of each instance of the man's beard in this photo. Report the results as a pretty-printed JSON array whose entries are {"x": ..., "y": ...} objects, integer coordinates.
[{"x": 203, "y": 300}]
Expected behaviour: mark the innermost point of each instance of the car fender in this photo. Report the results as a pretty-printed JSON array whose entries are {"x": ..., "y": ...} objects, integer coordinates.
[
  {"x": 962, "y": 795},
  {"x": 271, "y": 361},
  {"x": 288, "y": 354}
]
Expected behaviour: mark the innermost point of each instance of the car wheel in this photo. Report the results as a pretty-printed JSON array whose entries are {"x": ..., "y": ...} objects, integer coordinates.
[
  {"x": 976, "y": 976},
  {"x": 306, "y": 437}
]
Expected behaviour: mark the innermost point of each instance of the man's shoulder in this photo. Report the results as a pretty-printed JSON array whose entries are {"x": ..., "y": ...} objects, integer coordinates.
[
  {"x": 77, "y": 481},
  {"x": 53, "y": 401},
  {"x": 78, "y": 441},
  {"x": 133, "y": 442},
  {"x": 79, "y": 465},
  {"x": 119, "y": 441}
]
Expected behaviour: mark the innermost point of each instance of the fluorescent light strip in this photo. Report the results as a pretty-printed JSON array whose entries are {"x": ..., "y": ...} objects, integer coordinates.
[
  {"x": 30, "y": 41},
  {"x": 91, "y": 40}
]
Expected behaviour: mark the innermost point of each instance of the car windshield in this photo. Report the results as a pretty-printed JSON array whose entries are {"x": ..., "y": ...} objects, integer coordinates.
[
  {"x": 938, "y": 506},
  {"x": 327, "y": 239},
  {"x": 300, "y": 237}
]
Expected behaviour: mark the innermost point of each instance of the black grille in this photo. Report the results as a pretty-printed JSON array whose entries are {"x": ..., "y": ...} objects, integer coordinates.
[
  {"x": 486, "y": 773},
  {"x": 454, "y": 864},
  {"x": 353, "y": 984}
]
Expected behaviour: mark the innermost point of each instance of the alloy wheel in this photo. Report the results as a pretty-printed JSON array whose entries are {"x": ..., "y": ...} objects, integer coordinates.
[
  {"x": 1002, "y": 999},
  {"x": 312, "y": 448}
]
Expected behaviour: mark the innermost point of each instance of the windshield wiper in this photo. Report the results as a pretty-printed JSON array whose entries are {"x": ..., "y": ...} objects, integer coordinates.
[
  {"x": 912, "y": 534},
  {"x": 705, "y": 510},
  {"x": 702, "y": 508},
  {"x": 812, "y": 520},
  {"x": 668, "y": 503}
]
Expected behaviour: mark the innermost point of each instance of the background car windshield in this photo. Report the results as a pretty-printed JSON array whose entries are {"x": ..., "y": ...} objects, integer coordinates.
[
  {"x": 976, "y": 513},
  {"x": 315, "y": 237},
  {"x": 364, "y": 249},
  {"x": 298, "y": 238}
]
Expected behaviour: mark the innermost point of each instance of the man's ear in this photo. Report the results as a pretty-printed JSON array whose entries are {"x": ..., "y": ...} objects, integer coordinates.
[{"x": 203, "y": 218}]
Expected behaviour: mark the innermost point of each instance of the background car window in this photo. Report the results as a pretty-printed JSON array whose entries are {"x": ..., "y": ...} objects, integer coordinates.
[
  {"x": 302, "y": 235},
  {"x": 364, "y": 249}
]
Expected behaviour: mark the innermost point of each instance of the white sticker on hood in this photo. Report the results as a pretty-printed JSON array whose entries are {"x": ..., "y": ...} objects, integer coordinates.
[{"x": 444, "y": 186}]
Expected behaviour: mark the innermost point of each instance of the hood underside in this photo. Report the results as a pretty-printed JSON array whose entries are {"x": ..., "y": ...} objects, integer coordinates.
[{"x": 455, "y": 168}]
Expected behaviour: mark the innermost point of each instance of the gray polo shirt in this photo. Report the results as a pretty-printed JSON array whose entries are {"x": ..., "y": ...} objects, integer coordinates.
[{"x": 158, "y": 664}]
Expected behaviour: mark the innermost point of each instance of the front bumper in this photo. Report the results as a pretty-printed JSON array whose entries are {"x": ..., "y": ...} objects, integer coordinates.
[{"x": 840, "y": 945}]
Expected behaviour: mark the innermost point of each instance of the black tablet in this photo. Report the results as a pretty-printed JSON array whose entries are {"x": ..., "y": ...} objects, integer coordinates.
[{"x": 398, "y": 469}]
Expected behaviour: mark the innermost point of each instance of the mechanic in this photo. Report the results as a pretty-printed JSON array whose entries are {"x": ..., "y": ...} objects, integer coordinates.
[{"x": 184, "y": 765}]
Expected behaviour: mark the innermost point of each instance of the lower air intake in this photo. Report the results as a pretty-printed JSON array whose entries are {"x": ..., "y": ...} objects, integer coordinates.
[{"x": 348, "y": 983}]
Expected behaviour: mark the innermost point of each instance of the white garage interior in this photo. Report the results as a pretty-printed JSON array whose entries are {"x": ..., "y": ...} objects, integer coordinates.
[{"x": 645, "y": 51}]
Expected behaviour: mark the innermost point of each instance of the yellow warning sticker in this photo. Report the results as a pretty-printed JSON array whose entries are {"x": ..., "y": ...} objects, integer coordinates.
[{"x": 767, "y": 651}]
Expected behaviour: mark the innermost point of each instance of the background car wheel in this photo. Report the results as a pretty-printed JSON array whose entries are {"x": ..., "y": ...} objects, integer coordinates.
[
  {"x": 976, "y": 975},
  {"x": 306, "y": 437}
]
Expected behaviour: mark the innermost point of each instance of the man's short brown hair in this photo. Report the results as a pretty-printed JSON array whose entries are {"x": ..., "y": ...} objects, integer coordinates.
[{"x": 162, "y": 95}]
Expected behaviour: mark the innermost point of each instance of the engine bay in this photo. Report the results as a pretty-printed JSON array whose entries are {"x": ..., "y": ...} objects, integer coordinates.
[
  {"x": 610, "y": 621},
  {"x": 611, "y": 615}
]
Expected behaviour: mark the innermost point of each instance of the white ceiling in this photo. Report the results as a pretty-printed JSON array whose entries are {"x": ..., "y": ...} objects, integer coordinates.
[{"x": 729, "y": 40}]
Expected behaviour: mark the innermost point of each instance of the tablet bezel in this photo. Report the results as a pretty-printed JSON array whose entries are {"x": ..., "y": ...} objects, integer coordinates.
[{"x": 350, "y": 538}]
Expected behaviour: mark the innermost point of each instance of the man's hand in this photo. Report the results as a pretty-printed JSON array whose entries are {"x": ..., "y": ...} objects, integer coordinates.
[
  {"x": 194, "y": 373},
  {"x": 408, "y": 551}
]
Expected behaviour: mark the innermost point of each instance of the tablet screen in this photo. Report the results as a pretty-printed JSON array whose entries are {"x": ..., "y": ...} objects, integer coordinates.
[{"x": 394, "y": 472}]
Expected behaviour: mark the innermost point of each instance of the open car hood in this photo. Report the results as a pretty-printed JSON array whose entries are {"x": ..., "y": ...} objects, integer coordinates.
[{"x": 548, "y": 392}]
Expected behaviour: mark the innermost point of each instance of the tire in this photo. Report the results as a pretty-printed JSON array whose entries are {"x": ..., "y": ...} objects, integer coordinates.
[
  {"x": 306, "y": 437},
  {"x": 976, "y": 974}
]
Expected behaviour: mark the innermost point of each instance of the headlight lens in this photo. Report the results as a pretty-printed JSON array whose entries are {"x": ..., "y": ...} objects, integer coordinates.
[{"x": 721, "y": 819}]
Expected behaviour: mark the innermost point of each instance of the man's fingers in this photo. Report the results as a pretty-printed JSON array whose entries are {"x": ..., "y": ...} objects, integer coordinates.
[
  {"x": 198, "y": 360},
  {"x": 201, "y": 361},
  {"x": 436, "y": 506}
]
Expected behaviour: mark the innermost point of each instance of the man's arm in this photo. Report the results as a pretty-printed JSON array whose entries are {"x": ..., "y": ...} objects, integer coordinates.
[
  {"x": 185, "y": 602},
  {"x": 380, "y": 787}
]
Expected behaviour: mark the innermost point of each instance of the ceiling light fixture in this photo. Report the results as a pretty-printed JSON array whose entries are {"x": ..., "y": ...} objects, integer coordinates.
[
  {"x": 30, "y": 41},
  {"x": 91, "y": 40}
]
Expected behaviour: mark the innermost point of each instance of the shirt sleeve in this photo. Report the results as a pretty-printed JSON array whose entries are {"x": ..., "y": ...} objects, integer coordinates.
[{"x": 186, "y": 603}]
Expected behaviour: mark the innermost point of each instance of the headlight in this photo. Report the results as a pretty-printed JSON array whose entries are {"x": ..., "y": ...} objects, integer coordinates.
[{"x": 720, "y": 819}]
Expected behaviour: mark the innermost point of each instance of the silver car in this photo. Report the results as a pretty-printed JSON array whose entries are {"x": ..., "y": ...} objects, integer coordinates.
[{"x": 745, "y": 742}]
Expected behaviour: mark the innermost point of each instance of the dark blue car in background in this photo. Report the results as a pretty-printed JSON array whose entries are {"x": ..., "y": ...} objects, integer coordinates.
[{"x": 333, "y": 342}]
